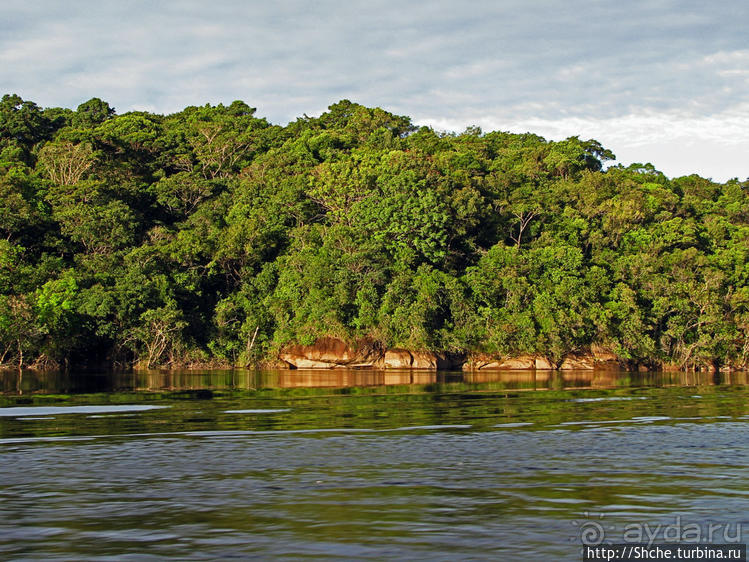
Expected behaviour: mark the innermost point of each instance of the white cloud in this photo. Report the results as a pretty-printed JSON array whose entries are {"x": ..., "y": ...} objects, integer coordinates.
[
  {"x": 677, "y": 144},
  {"x": 645, "y": 73}
]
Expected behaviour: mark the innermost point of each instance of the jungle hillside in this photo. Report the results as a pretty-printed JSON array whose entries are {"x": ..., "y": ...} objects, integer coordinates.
[{"x": 213, "y": 237}]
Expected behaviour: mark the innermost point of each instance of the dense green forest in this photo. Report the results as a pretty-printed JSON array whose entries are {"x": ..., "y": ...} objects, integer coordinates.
[{"x": 213, "y": 237}]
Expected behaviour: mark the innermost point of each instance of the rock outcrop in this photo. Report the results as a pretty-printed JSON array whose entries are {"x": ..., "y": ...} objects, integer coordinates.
[
  {"x": 397, "y": 359},
  {"x": 544, "y": 364},
  {"x": 578, "y": 362},
  {"x": 405, "y": 359},
  {"x": 329, "y": 353},
  {"x": 598, "y": 358},
  {"x": 489, "y": 363},
  {"x": 605, "y": 358},
  {"x": 518, "y": 363}
]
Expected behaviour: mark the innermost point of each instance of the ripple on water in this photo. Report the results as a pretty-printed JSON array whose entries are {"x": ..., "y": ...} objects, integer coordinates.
[
  {"x": 609, "y": 399},
  {"x": 27, "y": 411},
  {"x": 258, "y": 411}
]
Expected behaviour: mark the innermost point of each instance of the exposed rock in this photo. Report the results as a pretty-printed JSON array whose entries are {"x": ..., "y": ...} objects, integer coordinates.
[
  {"x": 405, "y": 359},
  {"x": 578, "y": 362},
  {"x": 486, "y": 362},
  {"x": 605, "y": 358},
  {"x": 332, "y": 353},
  {"x": 543, "y": 364},
  {"x": 397, "y": 359},
  {"x": 522, "y": 362},
  {"x": 599, "y": 358},
  {"x": 603, "y": 354},
  {"x": 328, "y": 353},
  {"x": 476, "y": 362},
  {"x": 424, "y": 360},
  {"x": 517, "y": 363},
  {"x": 487, "y": 366},
  {"x": 304, "y": 363}
]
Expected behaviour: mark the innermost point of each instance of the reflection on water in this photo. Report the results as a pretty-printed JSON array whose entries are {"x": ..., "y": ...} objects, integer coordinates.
[
  {"x": 15, "y": 412},
  {"x": 12, "y": 382},
  {"x": 363, "y": 464}
]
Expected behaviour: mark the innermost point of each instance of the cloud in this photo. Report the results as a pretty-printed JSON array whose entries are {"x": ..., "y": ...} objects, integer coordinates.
[
  {"x": 678, "y": 144},
  {"x": 628, "y": 71}
]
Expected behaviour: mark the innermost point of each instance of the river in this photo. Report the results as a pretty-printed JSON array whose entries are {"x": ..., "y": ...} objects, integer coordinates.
[{"x": 367, "y": 465}]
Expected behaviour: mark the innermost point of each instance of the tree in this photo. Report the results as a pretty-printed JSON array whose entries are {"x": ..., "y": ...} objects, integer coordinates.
[
  {"x": 66, "y": 163},
  {"x": 92, "y": 112},
  {"x": 22, "y": 123}
]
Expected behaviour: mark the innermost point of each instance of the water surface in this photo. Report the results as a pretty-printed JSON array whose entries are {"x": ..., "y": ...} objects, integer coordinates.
[{"x": 363, "y": 464}]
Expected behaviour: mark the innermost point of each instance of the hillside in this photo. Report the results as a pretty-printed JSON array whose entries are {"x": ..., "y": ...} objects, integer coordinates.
[{"x": 212, "y": 237}]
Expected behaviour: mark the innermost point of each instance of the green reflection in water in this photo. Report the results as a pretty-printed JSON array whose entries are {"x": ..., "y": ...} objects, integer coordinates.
[
  {"x": 499, "y": 465},
  {"x": 361, "y": 400}
]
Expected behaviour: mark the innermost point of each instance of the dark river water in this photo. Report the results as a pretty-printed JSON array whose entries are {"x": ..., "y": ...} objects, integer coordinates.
[{"x": 367, "y": 465}]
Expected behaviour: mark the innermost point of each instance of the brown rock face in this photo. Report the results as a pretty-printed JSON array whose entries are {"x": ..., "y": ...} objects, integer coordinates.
[
  {"x": 405, "y": 359},
  {"x": 424, "y": 360},
  {"x": 599, "y": 358},
  {"x": 606, "y": 359},
  {"x": 521, "y": 362},
  {"x": 603, "y": 354},
  {"x": 518, "y": 363},
  {"x": 476, "y": 362},
  {"x": 328, "y": 353},
  {"x": 578, "y": 362},
  {"x": 489, "y": 363},
  {"x": 543, "y": 364},
  {"x": 397, "y": 359}
]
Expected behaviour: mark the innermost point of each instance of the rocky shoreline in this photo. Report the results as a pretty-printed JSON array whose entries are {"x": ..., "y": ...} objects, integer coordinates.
[{"x": 333, "y": 353}]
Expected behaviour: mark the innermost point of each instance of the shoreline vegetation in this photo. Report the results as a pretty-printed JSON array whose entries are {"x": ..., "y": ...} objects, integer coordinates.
[{"x": 213, "y": 238}]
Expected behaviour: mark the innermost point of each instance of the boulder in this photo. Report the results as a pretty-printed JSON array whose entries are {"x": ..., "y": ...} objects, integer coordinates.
[
  {"x": 424, "y": 360},
  {"x": 397, "y": 359},
  {"x": 332, "y": 353},
  {"x": 605, "y": 358},
  {"x": 300, "y": 362},
  {"x": 329, "y": 353},
  {"x": 521, "y": 362},
  {"x": 543, "y": 364},
  {"x": 578, "y": 362},
  {"x": 489, "y": 363},
  {"x": 476, "y": 362}
]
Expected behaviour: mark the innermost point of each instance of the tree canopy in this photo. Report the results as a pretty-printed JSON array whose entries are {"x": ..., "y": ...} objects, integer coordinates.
[{"x": 213, "y": 236}]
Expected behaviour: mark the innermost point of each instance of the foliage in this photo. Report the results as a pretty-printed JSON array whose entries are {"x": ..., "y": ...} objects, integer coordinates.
[{"x": 210, "y": 235}]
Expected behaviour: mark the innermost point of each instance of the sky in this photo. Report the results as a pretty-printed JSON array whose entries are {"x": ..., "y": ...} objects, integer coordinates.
[{"x": 660, "y": 81}]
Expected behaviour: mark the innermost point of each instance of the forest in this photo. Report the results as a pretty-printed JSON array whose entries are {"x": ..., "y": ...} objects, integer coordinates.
[{"x": 212, "y": 237}]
